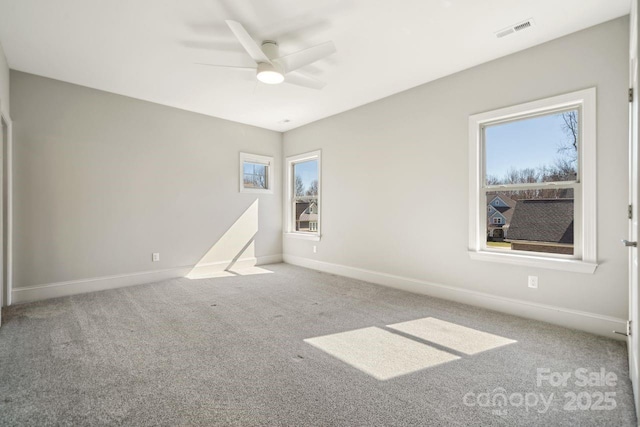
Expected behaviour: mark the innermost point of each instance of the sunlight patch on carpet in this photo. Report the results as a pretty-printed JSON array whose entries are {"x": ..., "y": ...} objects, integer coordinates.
[
  {"x": 460, "y": 338},
  {"x": 379, "y": 353},
  {"x": 249, "y": 271}
]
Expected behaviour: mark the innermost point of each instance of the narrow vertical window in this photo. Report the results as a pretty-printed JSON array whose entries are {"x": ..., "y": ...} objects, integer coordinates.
[{"x": 303, "y": 211}]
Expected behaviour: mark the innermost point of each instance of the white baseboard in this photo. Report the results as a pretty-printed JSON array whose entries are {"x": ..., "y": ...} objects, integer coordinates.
[
  {"x": 73, "y": 287},
  {"x": 203, "y": 270},
  {"x": 585, "y": 321}
]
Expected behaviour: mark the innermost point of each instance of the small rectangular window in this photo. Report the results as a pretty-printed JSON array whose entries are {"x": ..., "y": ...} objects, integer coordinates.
[
  {"x": 256, "y": 175},
  {"x": 303, "y": 178}
]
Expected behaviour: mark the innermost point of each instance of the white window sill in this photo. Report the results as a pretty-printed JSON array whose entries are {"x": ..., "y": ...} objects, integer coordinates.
[
  {"x": 573, "y": 265},
  {"x": 303, "y": 236},
  {"x": 256, "y": 191}
]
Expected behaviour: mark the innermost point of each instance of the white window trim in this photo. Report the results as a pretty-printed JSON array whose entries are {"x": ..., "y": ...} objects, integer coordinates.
[
  {"x": 263, "y": 160},
  {"x": 289, "y": 231},
  {"x": 585, "y": 202}
]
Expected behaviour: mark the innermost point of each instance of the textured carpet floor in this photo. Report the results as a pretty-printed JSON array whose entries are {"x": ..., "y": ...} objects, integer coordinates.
[{"x": 231, "y": 351}]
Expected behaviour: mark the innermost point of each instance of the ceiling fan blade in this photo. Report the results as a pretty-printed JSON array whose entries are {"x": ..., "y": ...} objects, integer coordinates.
[
  {"x": 299, "y": 79},
  {"x": 227, "y": 66},
  {"x": 304, "y": 57},
  {"x": 249, "y": 44}
]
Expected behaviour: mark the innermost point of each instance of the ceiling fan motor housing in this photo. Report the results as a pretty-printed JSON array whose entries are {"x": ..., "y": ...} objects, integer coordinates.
[
  {"x": 270, "y": 48},
  {"x": 270, "y": 73}
]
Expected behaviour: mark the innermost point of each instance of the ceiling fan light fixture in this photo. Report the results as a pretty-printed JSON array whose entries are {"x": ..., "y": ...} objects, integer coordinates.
[{"x": 268, "y": 74}]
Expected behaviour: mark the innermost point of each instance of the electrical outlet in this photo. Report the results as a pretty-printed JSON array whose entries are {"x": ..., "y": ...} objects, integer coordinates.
[
  {"x": 315, "y": 249},
  {"x": 155, "y": 257},
  {"x": 533, "y": 282}
]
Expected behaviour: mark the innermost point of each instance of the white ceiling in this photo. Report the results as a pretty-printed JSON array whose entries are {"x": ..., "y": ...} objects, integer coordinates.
[{"x": 147, "y": 49}]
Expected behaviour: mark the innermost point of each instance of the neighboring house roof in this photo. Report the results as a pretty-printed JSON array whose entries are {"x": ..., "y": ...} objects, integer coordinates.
[
  {"x": 505, "y": 211},
  {"x": 507, "y": 214},
  {"x": 543, "y": 220},
  {"x": 300, "y": 208},
  {"x": 310, "y": 213},
  {"x": 505, "y": 198},
  {"x": 511, "y": 202},
  {"x": 308, "y": 217}
]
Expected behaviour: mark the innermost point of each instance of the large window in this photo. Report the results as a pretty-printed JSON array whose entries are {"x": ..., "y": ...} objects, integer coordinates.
[
  {"x": 303, "y": 181},
  {"x": 535, "y": 165},
  {"x": 256, "y": 175}
]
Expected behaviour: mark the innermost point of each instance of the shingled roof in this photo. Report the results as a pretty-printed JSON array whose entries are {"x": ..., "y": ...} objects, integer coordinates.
[
  {"x": 542, "y": 220},
  {"x": 309, "y": 217},
  {"x": 504, "y": 197},
  {"x": 310, "y": 213},
  {"x": 301, "y": 207}
]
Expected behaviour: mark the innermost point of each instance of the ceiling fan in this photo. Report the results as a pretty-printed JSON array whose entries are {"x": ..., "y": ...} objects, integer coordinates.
[{"x": 274, "y": 69}]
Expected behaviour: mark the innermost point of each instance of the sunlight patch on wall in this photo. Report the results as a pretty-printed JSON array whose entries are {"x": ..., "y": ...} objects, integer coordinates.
[
  {"x": 456, "y": 337},
  {"x": 379, "y": 353},
  {"x": 235, "y": 250}
]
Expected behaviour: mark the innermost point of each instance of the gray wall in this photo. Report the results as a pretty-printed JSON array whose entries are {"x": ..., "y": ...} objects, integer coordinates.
[
  {"x": 102, "y": 181},
  {"x": 395, "y": 178},
  {"x": 4, "y": 83}
]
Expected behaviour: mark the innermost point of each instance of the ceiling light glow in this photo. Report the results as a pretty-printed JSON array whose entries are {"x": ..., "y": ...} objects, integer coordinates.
[
  {"x": 270, "y": 77},
  {"x": 268, "y": 74}
]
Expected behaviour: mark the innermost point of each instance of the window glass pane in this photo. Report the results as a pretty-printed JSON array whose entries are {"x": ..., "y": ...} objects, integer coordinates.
[
  {"x": 536, "y": 149},
  {"x": 305, "y": 190},
  {"x": 532, "y": 220},
  {"x": 255, "y": 175}
]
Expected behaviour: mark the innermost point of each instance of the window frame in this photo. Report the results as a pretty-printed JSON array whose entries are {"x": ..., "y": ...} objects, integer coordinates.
[
  {"x": 262, "y": 160},
  {"x": 584, "y": 259},
  {"x": 289, "y": 229}
]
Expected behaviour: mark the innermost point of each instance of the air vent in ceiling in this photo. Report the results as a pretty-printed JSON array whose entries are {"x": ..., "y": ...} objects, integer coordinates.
[{"x": 520, "y": 26}]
